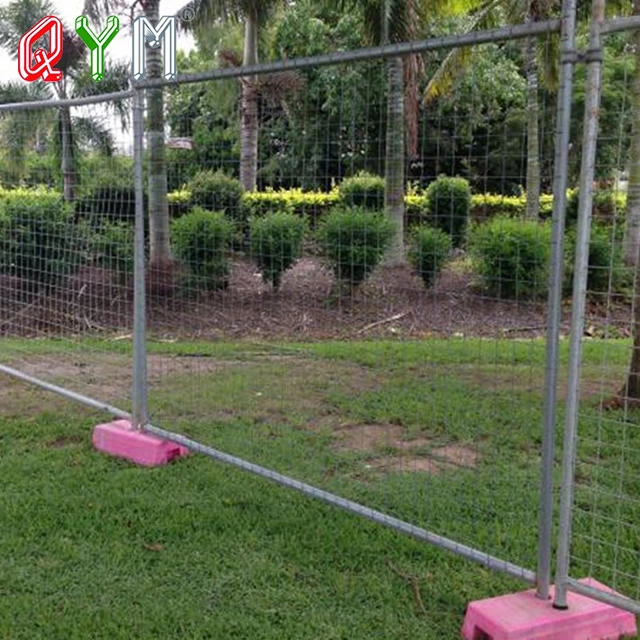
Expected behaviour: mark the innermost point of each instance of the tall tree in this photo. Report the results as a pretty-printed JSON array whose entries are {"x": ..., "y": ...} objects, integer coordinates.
[
  {"x": 15, "y": 19},
  {"x": 632, "y": 238},
  {"x": 160, "y": 258},
  {"x": 492, "y": 13},
  {"x": 253, "y": 14}
]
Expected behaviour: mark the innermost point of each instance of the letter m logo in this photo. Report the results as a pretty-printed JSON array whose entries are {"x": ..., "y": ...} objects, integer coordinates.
[{"x": 165, "y": 30}]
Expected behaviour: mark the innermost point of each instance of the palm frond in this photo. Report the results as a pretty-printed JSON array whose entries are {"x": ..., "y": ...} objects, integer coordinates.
[
  {"x": 19, "y": 16},
  {"x": 457, "y": 60},
  {"x": 117, "y": 77},
  {"x": 94, "y": 134}
]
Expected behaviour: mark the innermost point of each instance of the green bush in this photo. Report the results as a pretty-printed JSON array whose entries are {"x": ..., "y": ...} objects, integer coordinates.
[
  {"x": 215, "y": 191},
  {"x": 39, "y": 240},
  {"x": 607, "y": 205},
  {"x": 108, "y": 204},
  {"x": 312, "y": 205},
  {"x": 276, "y": 244},
  {"x": 113, "y": 248},
  {"x": 362, "y": 190},
  {"x": 354, "y": 242},
  {"x": 179, "y": 203},
  {"x": 449, "y": 205},
  {"x": 512, "y": 256},
  {"x": 605, "y": 260},
  {"x": 429, "y": 252},
  {"x": 201, "y": 240}
]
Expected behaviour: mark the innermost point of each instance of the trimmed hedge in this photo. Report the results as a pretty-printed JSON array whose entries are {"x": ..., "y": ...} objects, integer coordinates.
[
  {"x": 605, "y": 261},
  {"x": 215, "y": 191},
  {"x": 276, "y": 244},
  {"x": 39, "y": 238},
  {"x": 314, "y": 205},
  {"x": 511, "y": 256},
  {"x": 354, "y": 242},
  {"x": 448, "y": 205},
  {"x": 363, "y": 190},
  {"x": 430, "y": 250},
  {"x": 201, "y": 240}
]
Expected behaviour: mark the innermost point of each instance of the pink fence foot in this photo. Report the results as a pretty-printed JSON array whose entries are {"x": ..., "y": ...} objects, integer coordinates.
[
  {"x": 522, "y": 616},
  {"x": 120, "y": 439}
]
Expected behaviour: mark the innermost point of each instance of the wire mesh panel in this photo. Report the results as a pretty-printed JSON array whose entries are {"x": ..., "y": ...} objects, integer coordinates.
[
  {"x": 355, "y": 290},
  {"x": 66, "y": 247},
  {"x": 605, "y": 507}
]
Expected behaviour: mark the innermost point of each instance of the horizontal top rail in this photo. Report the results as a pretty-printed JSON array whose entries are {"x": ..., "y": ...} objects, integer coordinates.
[
  {"x": 368, "y": 53},
  {"x": 70, "y": 102}
]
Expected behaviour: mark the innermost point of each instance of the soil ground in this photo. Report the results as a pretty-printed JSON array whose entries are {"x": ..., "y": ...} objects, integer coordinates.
[{"x": 308, "y": 306}]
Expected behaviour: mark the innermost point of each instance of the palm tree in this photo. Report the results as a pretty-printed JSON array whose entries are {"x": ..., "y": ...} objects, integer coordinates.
[
  {"x": 254, "y": 14},
  {"x": 15, "y": 19},
  {"x": 391, "y": 21},
  {"x": 632, "y": 236},
  {"x": 490, "y": 14},
  {"x": 160, "y": 258}
]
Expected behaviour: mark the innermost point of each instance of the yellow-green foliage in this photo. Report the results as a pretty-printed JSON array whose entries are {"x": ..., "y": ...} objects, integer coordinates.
[
  {"x": 309, "y": 204},
  {"x": 179, "y": 202}
]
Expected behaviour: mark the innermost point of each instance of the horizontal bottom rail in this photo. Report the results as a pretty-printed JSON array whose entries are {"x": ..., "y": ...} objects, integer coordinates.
[
  {"x": 464, "y": 551},
  {"x": 615, "y": 600}
]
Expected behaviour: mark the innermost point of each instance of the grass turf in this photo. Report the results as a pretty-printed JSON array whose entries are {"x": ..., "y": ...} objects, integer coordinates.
[{"x": 93, "y": 547}]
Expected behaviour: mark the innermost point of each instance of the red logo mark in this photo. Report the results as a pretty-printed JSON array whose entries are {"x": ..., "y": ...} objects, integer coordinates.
[{"x": 45, "y": 60}]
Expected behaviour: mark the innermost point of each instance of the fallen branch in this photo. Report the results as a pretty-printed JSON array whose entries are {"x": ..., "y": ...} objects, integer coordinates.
[
  {"x": 535, "y": 327},
  {"x": 399, "y": 316}
]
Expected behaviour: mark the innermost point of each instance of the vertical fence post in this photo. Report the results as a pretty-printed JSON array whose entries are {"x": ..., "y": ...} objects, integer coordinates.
[
  {"x": 139, "y": 391},
  {"x": 587, "y": 172},
  {"x": 561, "y": 165}
]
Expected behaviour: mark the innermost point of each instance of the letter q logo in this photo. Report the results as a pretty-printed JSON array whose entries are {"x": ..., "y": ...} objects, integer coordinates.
[{"x": 45, "y": 60}]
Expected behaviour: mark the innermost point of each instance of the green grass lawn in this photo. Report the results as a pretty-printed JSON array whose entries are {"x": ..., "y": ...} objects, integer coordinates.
[{"x": 442, "y": 433}]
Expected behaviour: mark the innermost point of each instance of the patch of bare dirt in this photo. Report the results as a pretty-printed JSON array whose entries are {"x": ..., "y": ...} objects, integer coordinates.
[
  {"x": 373, "y": 437},
  {"x": 369, "y": 437},
  {"x": 406, "y": 464}
]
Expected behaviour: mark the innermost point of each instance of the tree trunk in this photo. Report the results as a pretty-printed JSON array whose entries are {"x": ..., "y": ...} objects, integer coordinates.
[
  {"x": 533, "y": 135},
  {"x": 69, "y": 176},
  {"x": 630, "y": 393},
  {"x": 249, "y": 108},
  {"x": 632, "y": 236},
  {"x": 395, "y": 160},
  {"x": 161, "y": 260}
]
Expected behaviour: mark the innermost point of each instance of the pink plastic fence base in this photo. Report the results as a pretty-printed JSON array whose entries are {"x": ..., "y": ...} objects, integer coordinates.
[
  {"x": 119, "y": 439},
  {"x": 522, "y": 616}
]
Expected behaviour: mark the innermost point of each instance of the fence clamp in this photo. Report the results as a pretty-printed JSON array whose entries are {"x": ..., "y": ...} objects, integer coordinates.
[
  {"x": 594, "y": 55},
  {"x": 570, "y": 57}
]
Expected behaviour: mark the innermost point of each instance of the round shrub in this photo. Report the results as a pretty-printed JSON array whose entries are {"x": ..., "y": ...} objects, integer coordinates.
[
  {"x": 215, "y": 191},
  {"x": 449, "y": 203},
  {"x": 113, "y": 248},
  {"x": 363, "y": 190},
  {"x": 276, "y": 244},
  {"x": 605, "y": 260},
  {"x": 39, "y": 240},
  {"x": 430, "y": 251},
  {"x": 354, "y": 242},
  {"x": 201, "y": 240},
  {"x": 512, "y": 256}
]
